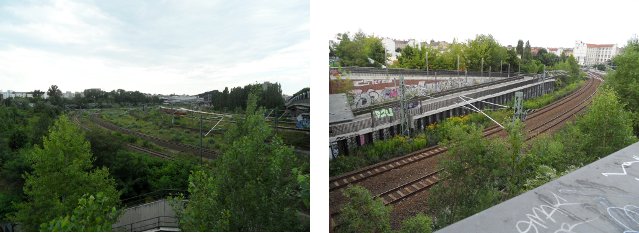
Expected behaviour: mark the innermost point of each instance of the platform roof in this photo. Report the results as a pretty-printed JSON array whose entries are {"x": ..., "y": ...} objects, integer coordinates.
[{"x": 339, "y": 109}]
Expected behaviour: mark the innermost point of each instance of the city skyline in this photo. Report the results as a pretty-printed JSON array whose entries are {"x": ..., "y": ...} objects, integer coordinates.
[{"x": 158, "y": 48}]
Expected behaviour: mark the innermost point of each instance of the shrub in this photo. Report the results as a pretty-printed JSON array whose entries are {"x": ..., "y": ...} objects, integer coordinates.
[{"x": 418, "y": 223}]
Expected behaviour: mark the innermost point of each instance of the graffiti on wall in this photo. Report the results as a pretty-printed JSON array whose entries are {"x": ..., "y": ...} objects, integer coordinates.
[
  {"x": 371, "y": 96},
  {"x": 303, "y": 121},
  {"x": 385, "y": 112}
]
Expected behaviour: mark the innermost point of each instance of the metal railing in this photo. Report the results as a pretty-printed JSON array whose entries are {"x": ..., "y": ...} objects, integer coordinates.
[
  {"x": 152, "y": 196},
  {"x": 302, "y": 96},
  {"x": 149, "y": 224}
]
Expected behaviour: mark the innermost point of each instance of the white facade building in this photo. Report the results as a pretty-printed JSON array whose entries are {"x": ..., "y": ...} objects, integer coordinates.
[
  {"x": 13, "y": 94},
  {"x": 556, "y": 51},
  {"x": 391, "y": 45},
  {"x": 592, "y": 54}
]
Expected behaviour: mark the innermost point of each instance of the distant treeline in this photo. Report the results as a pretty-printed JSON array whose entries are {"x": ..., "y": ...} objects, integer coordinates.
[
  {"x": 229, "y": 100},
  {"x": 88, "y": 98}
]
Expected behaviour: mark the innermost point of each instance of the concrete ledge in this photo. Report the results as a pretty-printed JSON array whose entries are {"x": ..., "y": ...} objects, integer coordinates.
[{"x": 600, "y": 197}]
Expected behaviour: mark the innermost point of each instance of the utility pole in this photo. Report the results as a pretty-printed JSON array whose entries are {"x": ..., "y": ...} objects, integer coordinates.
[
  {"x": 482, "y": 67},
  {"x": 402, "y": 111},
  {"x": 508, "y": 69},
  {"x": 519, "y": 96},
  {"x": 457, "y": 64},
  {"x": 426, "y": 63},
  {"x": 201, "y": 144}
]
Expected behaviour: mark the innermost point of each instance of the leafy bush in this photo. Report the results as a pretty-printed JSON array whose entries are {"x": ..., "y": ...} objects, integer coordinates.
[
  {"x": 418, "y": 223},
  {"x": 363, "y": 213},
  {"x": 551, "y": 97}
]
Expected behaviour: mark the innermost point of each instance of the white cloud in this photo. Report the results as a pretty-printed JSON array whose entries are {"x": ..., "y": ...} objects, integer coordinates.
[
  {"x": 62, "y": 22},
  {"x": 165, "y": 47}
]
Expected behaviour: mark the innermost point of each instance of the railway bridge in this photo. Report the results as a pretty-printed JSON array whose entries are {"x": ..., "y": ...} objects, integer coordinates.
[{"x": 350, "y": 129}]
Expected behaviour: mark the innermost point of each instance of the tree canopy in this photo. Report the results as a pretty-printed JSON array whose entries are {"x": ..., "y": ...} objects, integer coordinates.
[
  {"x": 93, "y": 213},
  {"x": 357, "y": 50},
  {"x": 259, "y": 169},
  {"x": 62, "y": 174},
  {"x": 270, "y": 96}
]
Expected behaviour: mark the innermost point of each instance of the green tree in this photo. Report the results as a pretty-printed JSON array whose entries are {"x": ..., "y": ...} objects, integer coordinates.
[
  {"x": 55, "y": 95},
  {"x": 625, "y": 80},
  {"x": 520, "y": 48},
  {"x": 484, "y": 47},
  {"x": 419, "y": 223},
  {"x": 37, "y": 94},
  {"x": 475, "y": 163},
  {"x": 259, "y": 169},
  {"x": 91, "y": 214},
  {"x": 357, "y": 51},
  {"x": 61, "y": 175},
  {"x": 363, "y": 213},
  {"x": 607, "y": 124},
  {"x": 527, "y": 51}
]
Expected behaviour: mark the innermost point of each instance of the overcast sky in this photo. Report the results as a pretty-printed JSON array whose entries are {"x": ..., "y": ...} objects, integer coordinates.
[
  {"x": 159, "y": 47},
  {"x": 545, "y": 23}
]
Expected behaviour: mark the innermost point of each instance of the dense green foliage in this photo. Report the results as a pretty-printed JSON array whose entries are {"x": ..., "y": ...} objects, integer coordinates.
[
  {"x": 552, "y": 96},
  {"x": 483, "y": 172},
  {"x": 488, "y": 167},
  {"x": 625, "y": 80},
  {"x": 20, "y": 128},
  {"x": 483, "y": 53},
  {"x": 91, "y": 214},
  {"x": 363, "y": 213},
  {"x": 607, "y": 124},
  {"x": 419, "y": 223},
  {"x": 62, "y": 173},
  {"x": 264, "y": 178},
  {"x": 357, "y": 51},
  {"x": 136, "y": 174},
  {"x": 376, "y": 152},
  {"x": 270, "y": 96}
]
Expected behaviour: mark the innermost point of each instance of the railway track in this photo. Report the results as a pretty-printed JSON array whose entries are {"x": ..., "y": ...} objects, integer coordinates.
[
  {"x": 148, "y": 151},
  {"x": 379, "y": 168},
  {"x": 76, "y": 120},
  {"x": 160, "y": 141},
  {"x": 426, "y": 181},
  {"x": 553, "y": 116}
]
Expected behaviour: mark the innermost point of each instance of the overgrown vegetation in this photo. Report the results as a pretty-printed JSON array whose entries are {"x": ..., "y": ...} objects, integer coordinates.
[
  {"x": 269, "y": 185},
  {"x": 62, "y": 174},
  {"x": 363, "y": 213},
  {"x": 480, "y": 174},
  {"x": 553, "y": 96},
  {"x": 401, "y": 145},
  {"x": 58, "y": 177},
  {"x": 625, "y": 80}
]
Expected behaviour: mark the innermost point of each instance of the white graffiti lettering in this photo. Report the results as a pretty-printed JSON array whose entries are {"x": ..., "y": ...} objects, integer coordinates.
[
  {"x": 542, "y": 215},
  {"x": 386, "y": 112},
  {"x": 628, "y": 220},
  {"x": 624, "y": 165}
]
